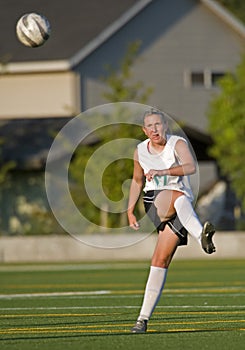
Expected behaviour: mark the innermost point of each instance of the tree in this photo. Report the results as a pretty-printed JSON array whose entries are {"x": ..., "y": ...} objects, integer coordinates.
[
  {"x": 121, "y": 86},
  {"x": 237, "y": 7},
  {"x": 227, "y": 127}
]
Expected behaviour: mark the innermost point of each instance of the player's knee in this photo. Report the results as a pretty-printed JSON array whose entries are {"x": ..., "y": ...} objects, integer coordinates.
[{"x": 161, "y": 261}]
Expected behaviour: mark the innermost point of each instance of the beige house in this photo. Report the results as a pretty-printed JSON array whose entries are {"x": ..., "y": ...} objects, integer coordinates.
[{"x": 186, "y": 46}]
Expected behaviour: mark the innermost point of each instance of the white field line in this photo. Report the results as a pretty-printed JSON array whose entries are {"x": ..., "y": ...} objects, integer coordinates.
[
  {"x": 93, "y": 295},
  {"x": 53, "y": 294},
  {"x": 218, "y": 292},
  {"x": 133, "y": 296}
]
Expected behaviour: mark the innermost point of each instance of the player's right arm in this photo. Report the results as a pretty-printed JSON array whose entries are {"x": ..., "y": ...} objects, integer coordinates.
[{"x": 135, "y": 190}]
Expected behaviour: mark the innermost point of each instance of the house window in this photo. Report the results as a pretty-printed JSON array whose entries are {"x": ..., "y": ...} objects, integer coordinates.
[
  {"x": 197, "y": 79},
  {"x": 215, "y": 76},
  {"x": 205, "y": 79}
]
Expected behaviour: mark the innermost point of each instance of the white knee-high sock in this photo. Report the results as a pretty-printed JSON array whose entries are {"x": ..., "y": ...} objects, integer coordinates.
[
  {"x": 188, "y": 217},
  {"x": 153, "y": 291}
]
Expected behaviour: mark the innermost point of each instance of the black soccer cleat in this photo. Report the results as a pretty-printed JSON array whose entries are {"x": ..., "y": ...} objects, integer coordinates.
[
  {"x": 139, "y": 327},
  {"x": 206, "y": 238}
]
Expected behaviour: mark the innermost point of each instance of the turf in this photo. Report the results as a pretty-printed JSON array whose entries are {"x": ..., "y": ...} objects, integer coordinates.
[{"x": 93, "y": 306}]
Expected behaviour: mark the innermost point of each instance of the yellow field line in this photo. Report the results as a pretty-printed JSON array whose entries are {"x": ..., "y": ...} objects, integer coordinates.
[
  {"x": 56, "y": 315},
  {"x": 67, "y": 331},
  {"x": 96, "y": 285},
  {"x": 114, "y": 330},
  {"x": 185, "y": 291},
  {"x": 74, "y": 328},
  {"x": 84, "y": 331},
  {"x": 202, "y": 329},
  {"x": 198, "y": 312},
  {"x": 119, "y": 313},
  {"x": 196, "y": 322},
  {"x": 210, "y": 284},
  {"x": 66, "y": 285}
]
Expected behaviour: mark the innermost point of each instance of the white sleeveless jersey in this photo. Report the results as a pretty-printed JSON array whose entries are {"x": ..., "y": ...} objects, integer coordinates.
[{"x": 168, "y": 158}]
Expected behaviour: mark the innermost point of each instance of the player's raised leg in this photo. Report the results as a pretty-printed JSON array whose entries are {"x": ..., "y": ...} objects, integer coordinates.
[{"x": 189, "y": 219}]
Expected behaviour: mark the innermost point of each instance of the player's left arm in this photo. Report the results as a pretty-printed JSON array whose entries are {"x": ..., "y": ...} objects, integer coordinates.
[{"x": 186, "y": 165}]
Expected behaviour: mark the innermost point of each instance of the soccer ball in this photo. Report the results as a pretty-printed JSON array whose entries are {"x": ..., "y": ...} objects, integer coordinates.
[{"x": 33, "y": 29}]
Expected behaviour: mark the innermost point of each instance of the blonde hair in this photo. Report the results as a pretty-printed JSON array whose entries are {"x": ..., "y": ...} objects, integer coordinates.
[{"x": 153, "y": 111}]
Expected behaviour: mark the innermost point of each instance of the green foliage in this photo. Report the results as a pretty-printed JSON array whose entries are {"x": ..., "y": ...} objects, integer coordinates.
[
  {"x": 24, "y": 207},
  {"x": 5, "y": 167},
  {"x": 33, "y": 218},
  {"x": 122, "y": 87},
  {"x": 114, "y": 177},
  {"x": 227, "y": 127},
  {"x": 121, "y": 84},
  {"x": 237, "y": 7}
]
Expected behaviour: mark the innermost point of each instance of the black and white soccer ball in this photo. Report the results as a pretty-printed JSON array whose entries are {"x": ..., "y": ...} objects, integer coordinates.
[{"x": 33, "y": 29}]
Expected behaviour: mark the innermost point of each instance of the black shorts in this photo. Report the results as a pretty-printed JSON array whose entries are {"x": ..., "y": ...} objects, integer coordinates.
[{"x": 174, "y": 222}]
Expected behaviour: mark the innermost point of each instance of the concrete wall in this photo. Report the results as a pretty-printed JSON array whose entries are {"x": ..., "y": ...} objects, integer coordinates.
[{"x": 66, "y": 249}]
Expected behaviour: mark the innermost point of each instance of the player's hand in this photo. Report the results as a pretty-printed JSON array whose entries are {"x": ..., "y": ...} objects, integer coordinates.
[
  {"x": 133, "y": 223},
  {"x": 151, "y": 173}
]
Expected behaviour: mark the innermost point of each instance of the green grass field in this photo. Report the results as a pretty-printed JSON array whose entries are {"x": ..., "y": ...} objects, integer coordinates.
[{"x": 94, "y": 306}]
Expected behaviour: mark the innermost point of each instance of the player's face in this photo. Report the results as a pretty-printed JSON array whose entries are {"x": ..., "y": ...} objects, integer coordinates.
[{"x": 155, "y": 128}]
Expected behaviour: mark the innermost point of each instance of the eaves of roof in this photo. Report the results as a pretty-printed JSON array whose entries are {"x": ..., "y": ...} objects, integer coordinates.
[{"x": 226, "y": 16}]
